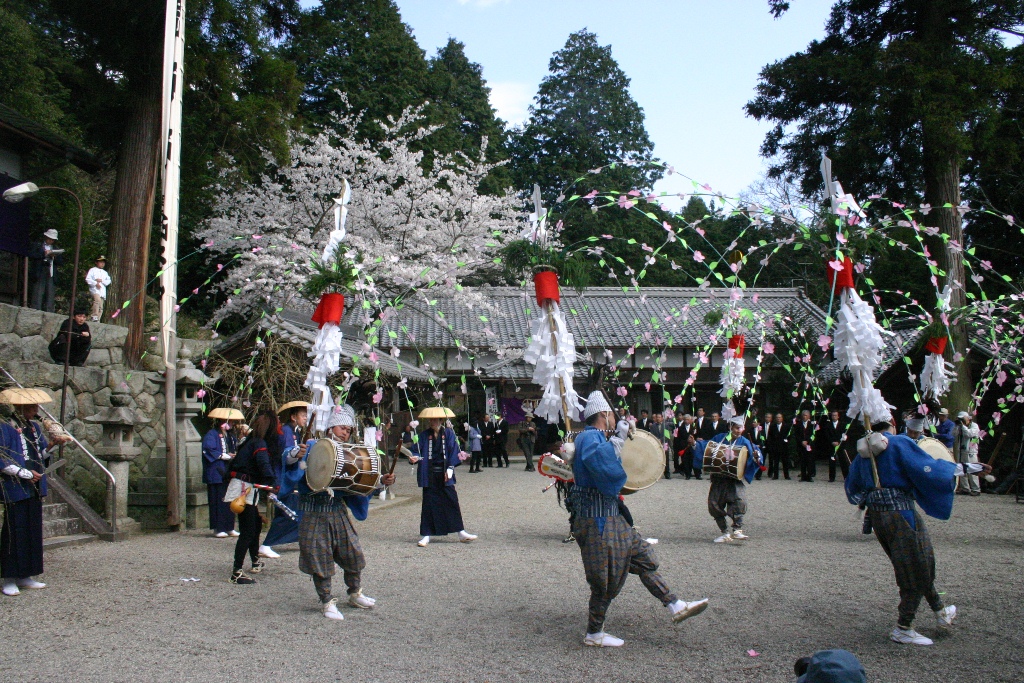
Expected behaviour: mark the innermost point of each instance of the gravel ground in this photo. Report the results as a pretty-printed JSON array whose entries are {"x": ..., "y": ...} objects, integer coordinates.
[{"x": 512, "y": 606}]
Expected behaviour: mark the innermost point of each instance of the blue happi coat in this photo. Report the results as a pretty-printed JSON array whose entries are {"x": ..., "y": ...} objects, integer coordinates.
[
  {"x": 904, "y": 466},
  {"x": 289, "y": 474},
  {"x": 358, "y": 505},
  {"x": 422, "y": 449},
  {"x": 595, "y": 464},
  {"x": 12, "y": 453},
  {"x": 753, "y": 463},
  {"x": 215, "y": 470}
]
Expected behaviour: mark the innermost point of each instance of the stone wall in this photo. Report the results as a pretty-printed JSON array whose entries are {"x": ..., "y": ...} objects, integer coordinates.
[{"x": 24, "y": 337}]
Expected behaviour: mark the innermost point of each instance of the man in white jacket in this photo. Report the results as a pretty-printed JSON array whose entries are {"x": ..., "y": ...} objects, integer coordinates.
[
  {"x": 98, "y": 280},
  {"x": 965, "y": 450}
]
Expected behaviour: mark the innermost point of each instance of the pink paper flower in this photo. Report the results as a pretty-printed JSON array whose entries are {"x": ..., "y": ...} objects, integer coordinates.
[
  {"x": 824, "y": 341},
  {"x": 698, "y": 257},
  {"x": 768, "y": 347},
  {"x": 621, "y": 391}
]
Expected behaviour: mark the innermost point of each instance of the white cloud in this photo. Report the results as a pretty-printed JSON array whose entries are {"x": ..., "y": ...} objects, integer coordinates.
[{"x": 510, "y": 99}]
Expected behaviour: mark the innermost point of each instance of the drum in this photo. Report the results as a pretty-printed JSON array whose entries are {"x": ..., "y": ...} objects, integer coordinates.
[
  {"x": 343, "y": 467},
  {"x": 725, "y": 460},
  {"x": 644, "y": 461},
  {"x": 936, "y": 449}
]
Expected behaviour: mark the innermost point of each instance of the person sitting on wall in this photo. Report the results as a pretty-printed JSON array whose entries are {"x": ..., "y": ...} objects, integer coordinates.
[{"x": 81, "y": 341}]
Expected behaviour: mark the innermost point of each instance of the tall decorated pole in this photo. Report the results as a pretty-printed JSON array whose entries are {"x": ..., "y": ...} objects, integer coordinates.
[
  {"x": 859, "y": 341},
  {"x": 937, "y": 373},
  {"x": 552, "y": 349},
  {"x": 329, "y": 282}
]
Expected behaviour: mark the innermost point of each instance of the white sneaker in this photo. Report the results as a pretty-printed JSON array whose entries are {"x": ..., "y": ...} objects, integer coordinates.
[
  {"x": 684, "y": 610},
  {"x": 423, "y": 542},
  {"x": 11, "y": 588},
  {"x": 384, "y": 494},
  {"x": 267, "y": 551},
  {"x": 651, "y": 541},
  {"x": 945, "y": 616},
  {"x": 466, "y": 537},
  {"x": 602, "y": 639},
  {"x": 361, "y": 601},
  {"x": 221, "y": 534},
  {"x": 724, "y": 538},
  {"x": 30, "y": 584},
  {"x": 233, "y": 534},
  {"x": 909, "y": 637},
  {"x": 331, "y": 610},
  {"x": 738, "y": 535}
]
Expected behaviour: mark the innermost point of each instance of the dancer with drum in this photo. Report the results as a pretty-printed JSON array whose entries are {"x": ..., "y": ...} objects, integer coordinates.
[
  {"x": 610, "y": 547},
  {"x": 283, "y": 529},
  {"x": 892, "y": 473},
  {"x": 326, "y": 534},
  {"x": 437, "y": 454},
  {"x": 731, "y": 460}
]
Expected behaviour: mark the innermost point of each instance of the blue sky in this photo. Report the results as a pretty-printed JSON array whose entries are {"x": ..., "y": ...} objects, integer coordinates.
[{"x": 693, "y": 65}]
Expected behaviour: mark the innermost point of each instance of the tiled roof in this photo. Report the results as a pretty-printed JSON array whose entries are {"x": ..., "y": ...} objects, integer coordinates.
[
  {"x": 603, "y": 317},
  {"x": 899, "y": 344}
]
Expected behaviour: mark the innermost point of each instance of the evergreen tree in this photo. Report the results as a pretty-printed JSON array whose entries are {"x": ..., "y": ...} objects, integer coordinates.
[
  {"x": 893, "y": 92},
  {"x": 583, "y": 118},
  {"x": 460, "y": 103},
  {"x": 363, "y": 49}
]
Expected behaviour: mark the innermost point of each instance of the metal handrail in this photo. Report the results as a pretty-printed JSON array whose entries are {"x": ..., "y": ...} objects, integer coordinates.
[{"x": 112, "y": 485}]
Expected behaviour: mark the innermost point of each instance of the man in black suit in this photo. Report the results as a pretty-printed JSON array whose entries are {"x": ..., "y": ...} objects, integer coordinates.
[
  {"x": 487, "y": 431},
  {"x": 710, "y": 427},
  {"x": 718, "y": 425},
  {"x": 803, "y": 434},
  {"x": 501, "y": 440},
  {"x": 698, "y": 424},
  {"x": 756, "y": 434},
  {"x": 777, "y": 442},
  {"x": 832, "y": 439},
  {"x": 644, "y": 422}
]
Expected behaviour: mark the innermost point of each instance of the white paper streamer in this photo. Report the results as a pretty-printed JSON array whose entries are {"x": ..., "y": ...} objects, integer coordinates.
[
  {"x": 326, "y": 356},
  {"x": 936, "y": 376},
  {"x": 858, "y": 348},
  {"x": 733, "y": 377},
  {"x": 550, "y": 366},
  {"x": 340, "y": 215}
]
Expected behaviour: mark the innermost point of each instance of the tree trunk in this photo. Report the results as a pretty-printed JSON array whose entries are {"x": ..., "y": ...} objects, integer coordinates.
[
  {"x": 131, "y": 220},
  {"x": 942, "y": 186}
]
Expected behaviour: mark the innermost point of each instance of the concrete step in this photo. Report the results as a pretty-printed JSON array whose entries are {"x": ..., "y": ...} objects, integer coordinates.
[
  {"x": 55, "y": 511},
  {"x": 61, "y": 527},
  {"x": 69, "y": 540}
]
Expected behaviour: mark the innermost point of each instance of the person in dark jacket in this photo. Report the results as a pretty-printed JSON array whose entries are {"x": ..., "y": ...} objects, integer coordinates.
[
  {"x": 81, "y": 341},
  {"x": 45, "y": 258},
  {"x": 803, "y": 434},
  {"x": 436, "y": 455},
  {"x": 501, "y": 440},
  {"x": 219, "y": 447},
  {"x": 831, "y": 441},
  {"x": 253, "y": 465}
]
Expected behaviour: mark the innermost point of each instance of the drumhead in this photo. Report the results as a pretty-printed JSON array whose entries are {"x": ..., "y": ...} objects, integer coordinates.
[
  {"x": 321, "y": 463},
  {"x": 936, "y": 449},
  {"x": 644, "y": 461}
]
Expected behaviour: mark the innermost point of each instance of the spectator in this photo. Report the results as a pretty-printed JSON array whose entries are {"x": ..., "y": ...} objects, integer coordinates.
[
  {"x": 527, "y": 439},
  {"x": 803, "y": 433},
  {"x": 778, "y": 447},
  {"x": 407, "y": 434},
  {"x": 98, "y": 280},
  {"x": 966, "y": 451},
  {"x": 944, "y": 430},
  {"x": 476, "y": 437},
  {"x": 644, "y": 422},
  {"x": 81, "y": 341},
  {"x": 45, "y": 259}
]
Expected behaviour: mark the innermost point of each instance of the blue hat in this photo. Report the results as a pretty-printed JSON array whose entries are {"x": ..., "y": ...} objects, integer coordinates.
[{"x": 834, "y": 666}]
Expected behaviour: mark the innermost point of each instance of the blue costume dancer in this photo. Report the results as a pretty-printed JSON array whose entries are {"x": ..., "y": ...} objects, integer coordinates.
[
  {"x": 727, "y": 497},
  {"x": 326, "y": 534},
  {"x": 436, "y": 454},
  {"x": 905, "y": 474},
  {"x": 611, "y": 548},
  {"x": 283, "y": 529},
  {"x": 219, "y": 446},
  {"x": 23, "y": 459}
]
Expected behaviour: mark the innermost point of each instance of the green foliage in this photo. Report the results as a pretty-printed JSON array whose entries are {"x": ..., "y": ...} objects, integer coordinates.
[
  {"x": 521, "y": 257},
  {"x": 335, "y": 276}
]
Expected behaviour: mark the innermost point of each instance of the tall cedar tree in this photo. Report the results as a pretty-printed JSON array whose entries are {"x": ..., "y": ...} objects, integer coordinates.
[
  {"x": 460, "y": 103},
  {"x": 893, "y": 92},
  {"x": 363, "y": 49},
  {"x": 582, "y": 118}
]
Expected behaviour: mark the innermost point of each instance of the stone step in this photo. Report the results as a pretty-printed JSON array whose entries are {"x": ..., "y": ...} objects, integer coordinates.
[
  {"x": 55, "y": 511},
  {"x": 61, "y": 527},
  {"x": 69, "y": 540}
]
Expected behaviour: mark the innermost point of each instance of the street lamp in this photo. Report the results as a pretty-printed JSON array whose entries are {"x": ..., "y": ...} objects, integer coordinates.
[{"x": 24, "y": 191}]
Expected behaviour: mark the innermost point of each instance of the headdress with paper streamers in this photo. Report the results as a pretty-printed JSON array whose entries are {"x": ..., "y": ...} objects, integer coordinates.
[
  {"x": 733, "y": 376},
  {"x": 859, "y": 342},
  {"x": 552, "y": 349},
  {"x": 937, "y": 374},
  {"x": 326, "y": 351}
]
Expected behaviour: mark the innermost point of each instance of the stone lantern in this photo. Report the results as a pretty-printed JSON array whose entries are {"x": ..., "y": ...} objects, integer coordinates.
[
  {"x": 188, "y": 442},
  {"x": 117, "y": 447}
]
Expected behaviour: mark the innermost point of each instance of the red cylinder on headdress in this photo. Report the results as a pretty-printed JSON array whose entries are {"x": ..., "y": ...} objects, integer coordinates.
[
  {"x": 843, "y": 278},
  {"x": 936, "y": 345},
  {"x": 545, "y": 283},
  {"x": 330, "y": 309},
  {"x": 737, "y": 343}
]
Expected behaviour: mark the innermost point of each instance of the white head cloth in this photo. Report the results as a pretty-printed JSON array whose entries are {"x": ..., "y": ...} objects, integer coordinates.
[
  {"x": 916, "y": 424},
  {"x": 737, "y": 420},
  {"x": 596, "y": 403},
  {"x": 342, "y": 416}
]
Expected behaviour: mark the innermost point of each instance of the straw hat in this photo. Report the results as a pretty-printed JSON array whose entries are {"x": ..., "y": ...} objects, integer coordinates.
[
  {"x": 435, "y": 412},
  {"x": 226, "y": 414},
  {"x": 18, "y": 396},
  {"x": 292, "y": 404}
]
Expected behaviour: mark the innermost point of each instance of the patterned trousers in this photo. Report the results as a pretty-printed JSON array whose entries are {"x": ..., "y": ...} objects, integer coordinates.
[
  {"x": 611, "y": 555},
  {"x": 325, "y": 539},
  {"x": 912, "y": 559}
]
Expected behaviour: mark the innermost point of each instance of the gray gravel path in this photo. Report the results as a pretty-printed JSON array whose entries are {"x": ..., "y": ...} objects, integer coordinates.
[{"x": 512, "y": 606}]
